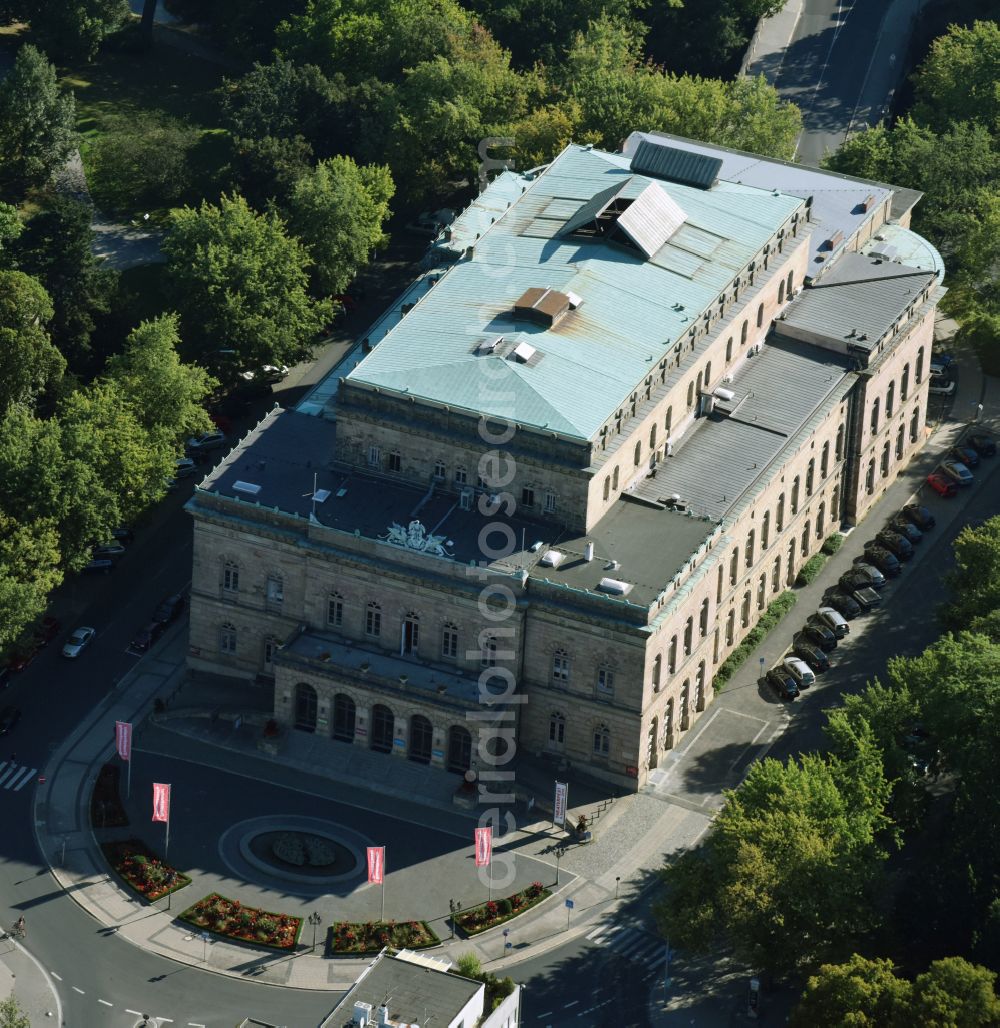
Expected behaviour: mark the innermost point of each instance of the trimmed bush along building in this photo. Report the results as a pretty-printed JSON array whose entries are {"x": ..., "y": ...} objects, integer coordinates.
[{"x": 579, "y": 458}]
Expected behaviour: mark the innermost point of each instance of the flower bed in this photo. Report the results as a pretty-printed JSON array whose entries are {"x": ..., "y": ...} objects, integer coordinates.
[
  {"x": 373, "y": 936},
  {"x": 231, "y": 919},
  {"x": 489, "y": 915},
  {"x": 140, "y": 868},
  {"x": 106, "y": 810}
]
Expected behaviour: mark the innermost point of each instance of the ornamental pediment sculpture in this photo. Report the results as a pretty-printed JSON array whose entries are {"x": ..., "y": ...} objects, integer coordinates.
[{"x": 415, "y": 537}]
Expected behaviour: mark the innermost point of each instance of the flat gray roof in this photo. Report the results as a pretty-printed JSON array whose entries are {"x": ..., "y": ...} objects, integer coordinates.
[
  {"x": 725, "y": 453},
  {"x": 414, "y": 994}
]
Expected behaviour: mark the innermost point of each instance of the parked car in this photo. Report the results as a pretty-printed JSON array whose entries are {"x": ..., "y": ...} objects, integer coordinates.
[
  {"x": 965, "y": 455},
  {"x": 147, "y": 636},
  {"x": 5, "y": 673},
  {"x": 941, "y": 484},
  {"x": 269, "y": 373},
  {"x": 920, "y": 516},
  {"x": 206, "y": 441},
  {"x": 800, "y": 671},
  {"x": 939, "y": 368},
  {"x": 906, "y": 528},
  {"x": 881, "y": 558},
  {"x": 78, "y": 641},
  {"x": 895, "y": 544},
  {"x": 782, "y": 683},
  {"x": 862, "y": 576},
  {"x": 23, "y": 654},
  {"x": 866, "y": 598},
  {"x": 957, "y": 471},
  {"x": 123, "y": 534},
  {"x": 811, "y": 654},
  {"x": 819, "y": 635},
  {"x": 98, "y": 566},
  {"x": 942, "y": 358},
  {"x": 222, "y": 423},
  {"x": 430, "y": 223},
  {"x": 941, "y": 388},
  {"x": 171, "y": 485},
  {"x": 47, "y": 630},
  {"x": 984, "y": 444},
  {"x": 833, "y": 620},
  {"x": 184, "y": 467},
  {"x": 9, "y": 717},
  {"x": 845, "y": 605},
  {"x": 169, "y": 609},
  {"x": 109, "y": 550}
]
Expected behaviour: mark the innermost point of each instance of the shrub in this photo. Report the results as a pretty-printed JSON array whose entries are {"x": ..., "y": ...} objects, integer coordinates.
[
  {"x": 776, "y": 610},
  {"x": 469, "y": 966},
  {"x": 504, "y": 906},
  {"x": 812, "y": 567},
  {"x": 832, "y": 543}
]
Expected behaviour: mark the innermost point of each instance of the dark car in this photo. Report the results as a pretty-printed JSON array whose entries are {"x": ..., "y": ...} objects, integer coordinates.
[
  {"x": 904, "y": 527},
  {"x": 965, "y": 455},
  {"x": 169, "y": 609},
  {"x": 122, "y": 534},
  {"x": 47, "y": 630},
  {"x": 844, "y": 605},
  {"x": 919, "y": 515},
  {"x": 110, "y": 550},
  {"x": 895, "y": 544},
  {"x": 866, "y": 598},
  {"x": 24, "y": 653},
  {"x": 812, "y": 655},
  {"x": 782, "y": 683},
  {"x": 98, "y": 566},
  {"x": 145, "y": 638},
  {"x": 985, "y": 445},
  {"x": 885, "y": 561},
  {"x": 9, "y": 717},
  {"x": 819, "y": 635},
  {"x": 859, "y": 578}
]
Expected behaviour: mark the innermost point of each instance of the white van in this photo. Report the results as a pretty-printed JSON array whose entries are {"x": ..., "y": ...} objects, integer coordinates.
[
  {"x": 834, "y": 621},
  {"x": 800, "y": 671}
]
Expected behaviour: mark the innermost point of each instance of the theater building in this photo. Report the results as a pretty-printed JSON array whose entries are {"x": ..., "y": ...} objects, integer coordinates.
[{"x": 580, "y": 456}]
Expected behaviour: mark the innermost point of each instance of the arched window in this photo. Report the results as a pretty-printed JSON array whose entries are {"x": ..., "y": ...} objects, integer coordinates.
[
  {"x": 743, "y": 334},
  {"x": 731, "y": 628},
  {"x": 718, "y": 586},
  {"x": 703, "y": 619},
  {"x": 488, "y": 656},
  {"x": 383, "y": 729},
  {"x": 795, "y": 495},
  {"x": 614, "y": 480},
  {"x": 890, "y": 397},
  {"x": 870, "y": 478},
  {"x": 698, "y": 384},
  {"x": 900, "y": 442},
  {"x": 805, "y": 539},
  {"x": 335, "y": 610},
  {"x": 652, "y": 437},
  {"x": 748, "y": 554},
  {"x": 839, "y": 453},
  {"x": 688, "y": 636},
  {"x": 449, "y": 640},
  {"x": 557, "y": 729},
  {"x": 708, "y": 374},
  {"x": 781, "y": 291},
  {"x": 305, "y": 707},
  {"x": 762, "y": 592},
  {"x": 637, "y": 454},
  {"x": 874, "y": 422},
  {"x": 734, "y": 566},
  {"x": 231, "y": 576},
  {"x": 904, "y": 384},
  {"x": 790, "y": 281},
  {"x": 227, "y": 638},
  {"x": 919, "y": 371},
  {"x": 820, "y": 520},
  {"x": 602, "y": 741},
  {"x": 560, "y": 667},
  {"x": 914, "y": 426},
  {"x": 373, "y": 620},
  {"x": 765, "y": 530},
  {"x": 824, "y": 461},
  {"x": 779, "y": 514},
  {"x": 729, "y": 349},
  {"x": 690, "y": 402},
  {"x": 745, "y": 611},
  {"x": 810, "y": 474},
  {"x": 421, "y": 739},
  {"x": 776, "y": 575},
  {"x": 607, "y": 487},
  {"x": 672, "y": 655},
  {"x": 760, "y": 316},
  {"x": 667, "y": 420},
  {"x": 459, "y": 749},
  {"x": 885, "y": 459},
  {"x": 657, "y": 669}
]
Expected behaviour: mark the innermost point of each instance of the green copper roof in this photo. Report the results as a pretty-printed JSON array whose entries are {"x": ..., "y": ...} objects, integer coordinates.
[{"x": 633, "y": 309}]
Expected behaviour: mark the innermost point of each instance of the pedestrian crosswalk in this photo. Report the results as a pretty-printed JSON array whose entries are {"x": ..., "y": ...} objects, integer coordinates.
[
  {"x": 15, "y": 776},
  {"x": 633, "y": 944}
]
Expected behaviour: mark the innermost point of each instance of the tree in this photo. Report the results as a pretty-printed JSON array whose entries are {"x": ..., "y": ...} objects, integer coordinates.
[
  {"x": 141, "y": 161},
  {"x": 266, "y": 169},
  {"x": 860, "y": 993},
  {"x": 11, "y": 227},
  {"x": 338, "y": 211},
  {"x": 952, "y": 993},
  {"x": 164, "y": 393},
  {"x": 239, "y": 281},
  {"x": 12, "y": 1015},
  {"x": 28, "y": 360},
  {"x": 975, "y": 581},
  {"x": 37, "y": 120},
  {"x": 958, "y": 78},
  {"x": 29, "y": 571},
  {"x": 55, "y": 248},
  {"x": 788, "y": 873},
  {"x": 75, "y": 28}
]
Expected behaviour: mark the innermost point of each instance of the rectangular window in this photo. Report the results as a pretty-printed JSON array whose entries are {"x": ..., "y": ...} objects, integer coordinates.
[
  {"x": 605, "y": 681},
  {"x": 395, "y": 462},
  {"x": 449, "y": 641},
  {"x": 488, "y": 657},
  {"x": 231, "y": 578},
  {"x": 550, "y": 503},
  {"x": 275, "y": 592},
  {"x": 527, "y": 497},
  {"x": 227, "y": 639},
  {"x": 373, "y": 622},
  {"x": 335, "y": 612},
  {"x": 439, "y": 470},
  {"x": 560, "y": 667},
  {"x": 460, "y": 476},
  {"x": 374, "y": 456}
]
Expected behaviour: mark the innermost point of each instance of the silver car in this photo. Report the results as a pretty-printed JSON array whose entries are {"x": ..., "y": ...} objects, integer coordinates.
[{"x": 78, "y": 641}]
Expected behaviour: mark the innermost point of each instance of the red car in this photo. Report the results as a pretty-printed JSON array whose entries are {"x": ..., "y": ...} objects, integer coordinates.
[{"x": 942, "y": 485}]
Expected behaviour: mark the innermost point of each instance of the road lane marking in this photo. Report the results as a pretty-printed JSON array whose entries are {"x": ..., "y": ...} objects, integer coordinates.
[
  {"x": 24, "y": 781},
  {"x": 194, "y": 1024},
  {"x": 82, "y": 993},
  {"x": 54, "y": 975},
  {"x": 105, "y": 1002},
  {"x": 548, "y": 1013},
  {"x": 571, "y": 1004},
  {"x": 138, "y": 1013}
]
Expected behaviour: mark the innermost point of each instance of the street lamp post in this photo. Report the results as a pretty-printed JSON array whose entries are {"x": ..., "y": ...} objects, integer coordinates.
[
  {"x": 618, "y": 879},
  {"x": 560, "y": 850},
  {"x": 315, "y": 920},
  {"x": 455, "y": 907}
]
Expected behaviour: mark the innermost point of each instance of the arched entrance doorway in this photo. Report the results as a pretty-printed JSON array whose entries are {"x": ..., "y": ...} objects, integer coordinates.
[
  {"x": 305, "y": 707},
  {"x": 383, "y": 724},
  {"x": 421, "y": 734},
  {"x": 651, "y": 754},
  {"x": 344, "y": 717},
  {"x": 459, "y": 749}
]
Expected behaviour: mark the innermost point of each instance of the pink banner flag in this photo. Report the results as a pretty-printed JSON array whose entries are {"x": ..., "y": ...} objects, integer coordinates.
[
  {"x": 376, "y": 865},
  {"x": 161, "y": 802},
  {"x": 484, "y": 846},
  {"x": 123, "y": 739}
]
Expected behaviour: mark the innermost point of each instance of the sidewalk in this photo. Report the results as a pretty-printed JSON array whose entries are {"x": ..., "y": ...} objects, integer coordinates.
[{"x": 24, "y": 978}]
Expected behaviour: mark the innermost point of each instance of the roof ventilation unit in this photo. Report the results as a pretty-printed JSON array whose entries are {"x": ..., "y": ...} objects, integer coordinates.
[
  {"x": 726, "y": 395},
  {"x": 614, "y": 586},
  {"x": 489, "y": 344},
  {"x": 523, "y": 353},
  {"x": 552, "y": 558},
  {"x": 246, "y": 487},
  {"x": 543, "y": 306},
  {"x": 362, "y": 1014},
  {"x": 588, "y": 552}
]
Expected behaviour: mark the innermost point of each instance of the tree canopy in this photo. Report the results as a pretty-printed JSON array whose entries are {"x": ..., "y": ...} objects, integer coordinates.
[
  {"x": 239, "y": 282},
  {"x": 74, "y": 28},
  {"x": 28, "y": 361}
]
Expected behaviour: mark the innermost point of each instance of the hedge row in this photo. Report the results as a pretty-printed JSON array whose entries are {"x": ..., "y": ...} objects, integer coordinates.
[
  {"x": 812, "y": 567},
  {"x": 776, "y": 610},
  {"x": 832, "y": 543}
]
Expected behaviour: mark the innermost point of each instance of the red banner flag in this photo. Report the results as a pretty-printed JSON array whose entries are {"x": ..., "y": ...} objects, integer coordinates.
[
  {"x": 161, "y": 802},
  {"x": 376, "y": 865},
  {"x": 123, "y": 739},
  {"x": 484, "y": 846}
]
